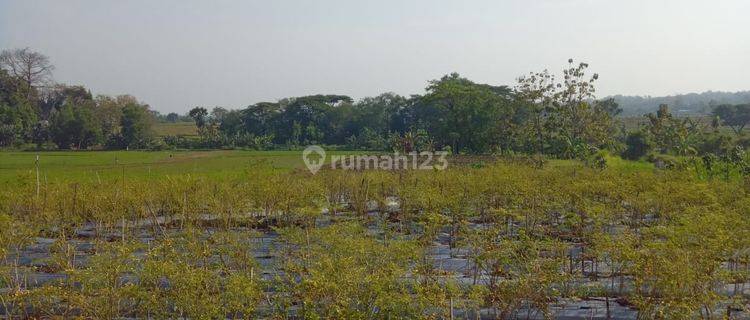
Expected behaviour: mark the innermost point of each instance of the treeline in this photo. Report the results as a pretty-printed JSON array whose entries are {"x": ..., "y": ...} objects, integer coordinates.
[
  {"x": 34, "y": 109},
  {"x": 683, "y": 104},
  {"x": 672, "y": 141},
  {"x": 539, "y": 115}
]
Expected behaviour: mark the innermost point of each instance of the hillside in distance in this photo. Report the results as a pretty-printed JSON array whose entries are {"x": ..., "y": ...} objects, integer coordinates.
[{"x": 681, "y": 104}]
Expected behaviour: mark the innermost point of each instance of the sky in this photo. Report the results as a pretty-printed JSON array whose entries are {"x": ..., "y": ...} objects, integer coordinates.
[{"x": 175, "y": 55}]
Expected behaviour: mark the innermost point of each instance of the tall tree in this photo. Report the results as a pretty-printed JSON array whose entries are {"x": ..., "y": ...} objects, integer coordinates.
[
  {"x": 230, "y": 123},
  {"x": 75, "y": 127},
  {"x": 18, "y": 115},
  {"x": 136, "y": 124},
  {"x": 259, "y": 118},
  {"x": 536, "y": 94},
  {"x": 13, "y": 91},
  {"x": 32, "y": 67},
  {"x": 563, "y": 113},
  {"x": 734, "y": 116},
  {"x": 172, "y": 117},
  {"x": 379, "y": 113},
  {"x": 308, "y": 119},
  {"x": 200, "y": 116},
  {"x": 463, "y": 114},
  {"x": 52, "y": 98}
]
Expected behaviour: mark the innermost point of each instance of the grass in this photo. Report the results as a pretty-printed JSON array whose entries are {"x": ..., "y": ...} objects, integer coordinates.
[
  {"x": 627, "y": 165},
  {"x": 93, "y": 165},
  {"x": 90, "y": 166},
  {"x": 614, "y": 163},
  {"x": 175, "y": 129}
]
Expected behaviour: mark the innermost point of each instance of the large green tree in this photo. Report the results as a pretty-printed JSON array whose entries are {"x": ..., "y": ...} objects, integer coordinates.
[
  {"x": 734, "y": 116},
  {"x": 565, "y": 117},
  {"x": 464, "y": 115},
  {"x": 136, "y": 124},
  {"x": 75, "y": 127},
  {"x": 18, "y": 114},
  {"x": 309, "y": 119},
  {"x": 259, "y": 119}
]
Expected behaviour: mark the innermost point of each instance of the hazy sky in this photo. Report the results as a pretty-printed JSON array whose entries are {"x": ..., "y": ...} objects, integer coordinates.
[{"x": 178, "y": 54}]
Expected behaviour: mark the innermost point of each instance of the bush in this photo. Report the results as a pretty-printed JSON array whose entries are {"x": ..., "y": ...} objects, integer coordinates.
[
  {"x": 718, "y": 144},
  {"x": 638, "y": 145},
  {"x": 597, "y": 160},
  {"x": 8, "y": 135}
]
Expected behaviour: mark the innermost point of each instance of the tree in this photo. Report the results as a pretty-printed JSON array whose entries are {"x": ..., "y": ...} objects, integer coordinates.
[
  {"x": 18, "y": 114},
  {"x": 579, "y": 125},
  {"x": 259, "y": 118},
  {"x": 671, "y": 134},
  {"x": 19, "y": 121},
  {"x": 464, "y": 115},
  {"x": 13, "y": 91},
  {"x": 217, "y": 114},
  {"x": 376, "y": 116},
  {"x": 691, "y": 103},
  {"x": 200, "y": 116},
  {"x": 172, "y": 117},
  {"x": 638, "y": 145},
  {"x": 309, "y": 119},
  {"x": 562, "y": 116},
  {"x": 734, "y": 116},
  {"x": 32, "y": 67},
  {"x": 610, "y": 106},
  {"x": 75, "y": 126},
  {"x": 51, "y": 99},
  {"x": 136, "y": 125},
  {"x": 231, "y": 123},
  {"x": 536, "y": 97}
]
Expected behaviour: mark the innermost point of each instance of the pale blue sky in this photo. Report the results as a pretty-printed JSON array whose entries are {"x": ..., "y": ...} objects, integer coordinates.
[{"x": 178, "y": 54}]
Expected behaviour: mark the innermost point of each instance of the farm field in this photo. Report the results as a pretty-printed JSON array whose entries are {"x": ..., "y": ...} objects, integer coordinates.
[
  {"x": 244, "y": 234},
  {"x": 405, "y": 160},
  {"x": 176, "y": 129},
  {"x": 91, "y": 166}
]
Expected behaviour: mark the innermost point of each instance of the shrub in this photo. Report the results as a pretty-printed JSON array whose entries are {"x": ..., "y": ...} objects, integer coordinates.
[{"x": 638, "y": 144}]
